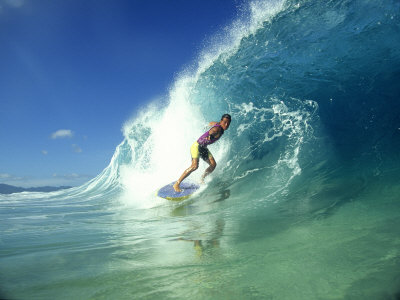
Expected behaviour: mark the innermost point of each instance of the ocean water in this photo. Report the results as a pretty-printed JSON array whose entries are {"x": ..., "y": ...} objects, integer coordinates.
[{"x": 304, "y": 202}]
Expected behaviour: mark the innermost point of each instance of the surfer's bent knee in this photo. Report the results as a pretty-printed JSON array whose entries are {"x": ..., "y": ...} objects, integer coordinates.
[
  {"x": 212, "y": 162},
  {"x": 194, "y": 166}
]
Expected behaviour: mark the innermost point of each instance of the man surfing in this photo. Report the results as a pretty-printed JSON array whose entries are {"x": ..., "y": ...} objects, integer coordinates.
[{"x": 199, "y": 149}]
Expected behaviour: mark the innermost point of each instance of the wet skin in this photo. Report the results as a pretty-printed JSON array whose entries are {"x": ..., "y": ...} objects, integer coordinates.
[{"x": 215, "y": 132}]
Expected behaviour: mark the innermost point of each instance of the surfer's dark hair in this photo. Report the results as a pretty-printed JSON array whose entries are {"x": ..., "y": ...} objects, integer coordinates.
[{"x": 226, "y": 116}]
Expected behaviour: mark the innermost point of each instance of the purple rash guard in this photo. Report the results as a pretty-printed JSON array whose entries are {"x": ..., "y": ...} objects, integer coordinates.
[{"x": 204, "y": 141}]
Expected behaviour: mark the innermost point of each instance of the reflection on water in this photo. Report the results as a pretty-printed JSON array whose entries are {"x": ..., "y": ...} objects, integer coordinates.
[
  {"x": 211, "y": 240},
  {"x": 209, "y": 229}
]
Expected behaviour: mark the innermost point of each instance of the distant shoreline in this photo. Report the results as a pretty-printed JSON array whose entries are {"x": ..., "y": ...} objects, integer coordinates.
[{"x": 10, "y": 189}]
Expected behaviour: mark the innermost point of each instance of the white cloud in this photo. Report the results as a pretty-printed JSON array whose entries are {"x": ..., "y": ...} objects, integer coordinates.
[
  {"x": 62, "y": 133},
  {"x": 76, "y": 148},
  {"x": 72, "y": 176},
  {"x": 45, "y": 152},
  {"x": 5, "y": 176}
]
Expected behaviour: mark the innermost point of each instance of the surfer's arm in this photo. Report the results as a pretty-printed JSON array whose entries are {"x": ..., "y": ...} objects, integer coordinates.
[
  {"x": 213, "y": 132},
  {"x": 211, "y": 124}
]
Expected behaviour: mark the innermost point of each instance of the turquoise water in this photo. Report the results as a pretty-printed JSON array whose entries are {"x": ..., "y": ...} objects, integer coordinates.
[{"x": 304, "y": 203}]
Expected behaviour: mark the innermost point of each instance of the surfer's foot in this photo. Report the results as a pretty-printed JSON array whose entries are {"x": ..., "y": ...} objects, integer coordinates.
[
  {"x": 176, "y": 187},
  {"x": 202, "y": 181}
]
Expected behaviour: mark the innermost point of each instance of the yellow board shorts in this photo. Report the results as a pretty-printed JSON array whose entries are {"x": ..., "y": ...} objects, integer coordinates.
[{"x": 198, "y": 151}]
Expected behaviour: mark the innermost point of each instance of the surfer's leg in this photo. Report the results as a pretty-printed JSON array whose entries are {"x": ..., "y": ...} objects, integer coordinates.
[
  {"x": 186, "y": 173},
  {"x": 212, "y": 163}
]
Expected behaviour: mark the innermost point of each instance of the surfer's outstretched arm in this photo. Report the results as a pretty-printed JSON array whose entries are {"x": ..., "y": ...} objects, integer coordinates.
[{"x": 186, "y": 173}]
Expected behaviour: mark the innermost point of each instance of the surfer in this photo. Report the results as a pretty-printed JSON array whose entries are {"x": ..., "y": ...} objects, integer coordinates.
[{"x": 199, "y": 149}]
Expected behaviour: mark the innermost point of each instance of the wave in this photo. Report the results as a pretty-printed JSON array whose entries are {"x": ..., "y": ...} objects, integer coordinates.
[
  {"x": 306, "y": 181},
  {"x": 302, "y": 91}
]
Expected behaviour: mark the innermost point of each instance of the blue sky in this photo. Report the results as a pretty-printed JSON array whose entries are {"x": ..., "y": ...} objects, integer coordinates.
[{"x": 73, "y": 71}]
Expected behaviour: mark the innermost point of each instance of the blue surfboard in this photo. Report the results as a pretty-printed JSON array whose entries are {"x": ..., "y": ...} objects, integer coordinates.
[{"x": 168, "y": 192}]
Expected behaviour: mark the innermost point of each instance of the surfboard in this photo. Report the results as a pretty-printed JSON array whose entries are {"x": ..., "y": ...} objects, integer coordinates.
[{"x": 168, "y": 192}]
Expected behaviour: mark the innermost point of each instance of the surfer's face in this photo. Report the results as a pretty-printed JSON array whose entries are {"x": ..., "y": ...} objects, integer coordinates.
[{"x": 225, "y": 122}]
